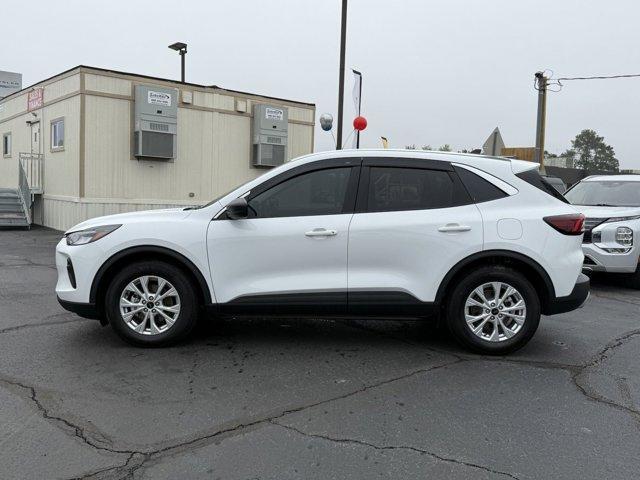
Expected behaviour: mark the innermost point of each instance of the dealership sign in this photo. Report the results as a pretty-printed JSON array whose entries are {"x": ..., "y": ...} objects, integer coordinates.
[
  {"x": 35, "y": 99},
  {"x": 159, "y": 98},
  {"x": 10, "y": 83}
]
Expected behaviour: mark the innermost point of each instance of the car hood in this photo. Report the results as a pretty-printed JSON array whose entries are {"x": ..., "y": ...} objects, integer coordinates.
[
  {"x": 607, "y": 212},
  {"x": 134, "y": 217}
]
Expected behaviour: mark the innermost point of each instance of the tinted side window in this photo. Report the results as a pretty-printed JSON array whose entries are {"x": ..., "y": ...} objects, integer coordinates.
[
  {"x": 532, "y": 177},
  {"x": 396, "y": 189},
  {"x": 479, "y": 189},
  {"x": 321, "y": 192}
]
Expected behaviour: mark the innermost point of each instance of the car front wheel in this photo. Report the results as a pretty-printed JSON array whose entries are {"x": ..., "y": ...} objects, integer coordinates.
[
  {"x": 151, "y": 303},
  {"x": 494, "y": 310}
]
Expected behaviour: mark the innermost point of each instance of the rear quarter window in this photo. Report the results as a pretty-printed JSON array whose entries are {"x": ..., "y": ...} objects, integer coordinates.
[
  {"x": 479, "y": 189},
  {"x": 532, "y": 177}
]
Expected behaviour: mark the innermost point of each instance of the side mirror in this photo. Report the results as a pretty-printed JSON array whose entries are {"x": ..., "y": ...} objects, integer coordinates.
[{"x": 238, "y": 209}]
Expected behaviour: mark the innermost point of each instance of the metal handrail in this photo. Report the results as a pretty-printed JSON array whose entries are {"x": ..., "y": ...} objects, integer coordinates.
[
  {"x": 33, "y": 166},
  {"x": 25, "y": 193}
]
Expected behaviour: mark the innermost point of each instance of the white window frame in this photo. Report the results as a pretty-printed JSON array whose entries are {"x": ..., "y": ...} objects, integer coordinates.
[
  {"x": 59, "y": 145},
  {"x": 6, "y": 135}
]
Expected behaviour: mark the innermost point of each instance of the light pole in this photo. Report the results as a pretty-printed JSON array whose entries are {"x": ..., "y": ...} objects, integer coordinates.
[
  {"x": 181, "y": 48},
  {"x": 343, "y": 41}
]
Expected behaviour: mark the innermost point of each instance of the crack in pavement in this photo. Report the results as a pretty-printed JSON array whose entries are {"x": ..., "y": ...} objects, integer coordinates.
[
  {"x": 575, "y": 370},
  {"x": 241, "y": 427},
  {"x": 394, "y": 447},
  {"x": 44, "y": 323},
  {"x": 588, "y": 391},
  {"x": 138, "y": 459},
  {"x": 78, "y": 431}
]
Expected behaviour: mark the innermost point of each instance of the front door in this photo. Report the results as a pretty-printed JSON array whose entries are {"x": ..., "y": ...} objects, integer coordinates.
[{"x": 290, "y": 255}]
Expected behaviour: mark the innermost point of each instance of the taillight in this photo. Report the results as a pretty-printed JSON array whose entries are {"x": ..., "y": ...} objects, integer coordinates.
[{"x": 571, "y": 224}]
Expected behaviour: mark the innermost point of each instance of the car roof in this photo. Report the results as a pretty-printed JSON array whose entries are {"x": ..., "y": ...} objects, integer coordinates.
[{"x": 613, "y": 178}]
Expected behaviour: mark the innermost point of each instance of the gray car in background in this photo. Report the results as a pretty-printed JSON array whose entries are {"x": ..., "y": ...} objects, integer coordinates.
[{"x": 611, "y": 204}]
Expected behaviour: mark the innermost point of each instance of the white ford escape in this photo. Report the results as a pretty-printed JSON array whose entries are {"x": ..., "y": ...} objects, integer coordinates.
[{"x": 485, "y": 241}]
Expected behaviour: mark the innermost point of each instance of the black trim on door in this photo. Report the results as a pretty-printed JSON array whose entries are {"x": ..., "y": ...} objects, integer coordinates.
[
  {"x": 330, "y": 304},
  {"x": 306, "y": 304}
]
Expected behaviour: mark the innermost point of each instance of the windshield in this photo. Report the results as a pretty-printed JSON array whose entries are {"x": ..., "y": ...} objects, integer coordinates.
[{"x": 605, "y": 193}]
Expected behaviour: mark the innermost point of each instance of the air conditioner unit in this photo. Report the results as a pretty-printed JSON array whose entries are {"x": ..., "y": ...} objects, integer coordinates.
[
  {"x": 270, "y": 135},
  {"x": 155, "y": 123}
]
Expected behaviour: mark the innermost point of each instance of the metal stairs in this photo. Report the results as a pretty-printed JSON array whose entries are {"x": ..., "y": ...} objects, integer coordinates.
[{"x": 13, "y": 211}]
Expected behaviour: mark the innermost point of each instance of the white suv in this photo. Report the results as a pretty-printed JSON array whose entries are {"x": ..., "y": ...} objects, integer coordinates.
[
  {"x": 611, "y": 204},
  {"x": 376, "y": 233}
]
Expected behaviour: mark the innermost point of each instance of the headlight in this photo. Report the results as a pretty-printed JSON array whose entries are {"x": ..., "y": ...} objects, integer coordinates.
[
  {"x": 624, "y": 236},
  {"x": 82, "y": 237}
]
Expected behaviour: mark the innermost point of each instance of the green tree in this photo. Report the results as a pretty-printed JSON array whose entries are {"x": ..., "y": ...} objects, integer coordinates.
[
  {"x": 445, "y": 148},
  {"x": 590, "y": 152}
]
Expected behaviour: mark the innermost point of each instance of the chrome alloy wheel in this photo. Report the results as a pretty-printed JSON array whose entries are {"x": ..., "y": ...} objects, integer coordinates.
[
  {"x": 495, "y": 311},
  {"x": 149, "y": 305}
]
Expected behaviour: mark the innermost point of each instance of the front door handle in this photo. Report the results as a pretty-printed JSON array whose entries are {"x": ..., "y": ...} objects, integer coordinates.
[
  {"x": 454, "y": 227},
  {"x": 321, "y": 232}
]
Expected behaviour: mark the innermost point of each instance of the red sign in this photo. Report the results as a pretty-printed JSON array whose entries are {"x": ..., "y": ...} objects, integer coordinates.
[{"x": 35, "y": 99}]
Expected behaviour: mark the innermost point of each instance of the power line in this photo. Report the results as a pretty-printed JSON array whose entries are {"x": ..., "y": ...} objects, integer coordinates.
[{"x": 599, "y": 77}]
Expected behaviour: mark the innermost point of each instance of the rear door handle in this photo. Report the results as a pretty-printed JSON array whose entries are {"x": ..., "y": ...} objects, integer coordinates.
[
  {"x": 321, "y": 232},
  {"x": 454, "y": 227}
]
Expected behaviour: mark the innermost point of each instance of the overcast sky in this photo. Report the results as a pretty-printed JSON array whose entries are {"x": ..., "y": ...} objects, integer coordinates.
[{"x": 435, "y": 72}]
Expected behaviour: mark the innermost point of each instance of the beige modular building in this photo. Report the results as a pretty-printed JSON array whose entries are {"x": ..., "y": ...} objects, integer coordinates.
[{"x": 91, "y": 142}]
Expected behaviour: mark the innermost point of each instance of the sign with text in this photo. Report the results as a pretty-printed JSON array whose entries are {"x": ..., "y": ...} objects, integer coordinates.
[
  {"x": 159, "y": 98},
  {"x": 35, "y": 99},
  {"x": 274, "y": 113},
  {"x": 10, "y": 83}
]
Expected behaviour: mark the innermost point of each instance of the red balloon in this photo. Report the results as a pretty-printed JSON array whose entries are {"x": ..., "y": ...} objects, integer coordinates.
[{"x": 359, "y": 123}]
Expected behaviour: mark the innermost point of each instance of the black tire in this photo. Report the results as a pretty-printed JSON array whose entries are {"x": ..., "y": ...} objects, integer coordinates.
[
  {"x": 184, "y": 321},
  {"x": 455, "y": 310},
  {"x": 634, "y": 279}
]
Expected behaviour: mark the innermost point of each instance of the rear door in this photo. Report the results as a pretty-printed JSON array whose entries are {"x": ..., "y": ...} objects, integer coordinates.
[{"x": 414, "y": 220}]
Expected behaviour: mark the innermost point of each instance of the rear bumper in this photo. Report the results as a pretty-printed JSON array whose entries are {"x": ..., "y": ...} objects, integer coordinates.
[
  {"x": 86, "y": 310},
  {"x": 575, "y": 299}
]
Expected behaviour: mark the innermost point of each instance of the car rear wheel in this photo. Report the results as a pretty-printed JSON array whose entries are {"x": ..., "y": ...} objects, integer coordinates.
[
  {"x": 494, "y": 310},
  {"x": 151, "y": 304}
]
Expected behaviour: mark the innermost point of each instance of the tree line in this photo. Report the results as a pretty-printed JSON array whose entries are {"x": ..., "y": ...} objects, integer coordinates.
[{"x": 588, "y": 151}]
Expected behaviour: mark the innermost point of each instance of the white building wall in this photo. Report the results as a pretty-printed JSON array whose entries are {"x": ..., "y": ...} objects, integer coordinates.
[
  {"x": 60, "y": 100},
  {"x": 96, "y": 173}
]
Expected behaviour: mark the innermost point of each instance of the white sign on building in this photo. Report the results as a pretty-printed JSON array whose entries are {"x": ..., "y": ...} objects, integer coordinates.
[{"x": 9, "y": 83}]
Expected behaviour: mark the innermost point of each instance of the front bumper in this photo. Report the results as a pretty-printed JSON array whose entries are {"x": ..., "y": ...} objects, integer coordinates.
[
  {"x": 597, "y": 260},
  {"x": 576, "y": 299},
  {"x": 86, "y": 310}
]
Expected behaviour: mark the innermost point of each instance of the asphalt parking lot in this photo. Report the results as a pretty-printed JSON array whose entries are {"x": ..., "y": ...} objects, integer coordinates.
[{"x": 258, "y": 399}]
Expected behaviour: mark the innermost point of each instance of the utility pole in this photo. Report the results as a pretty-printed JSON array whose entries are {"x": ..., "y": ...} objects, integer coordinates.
[
  {"x": 343, "y": 41},
  {"x": 541, "y": 83}
]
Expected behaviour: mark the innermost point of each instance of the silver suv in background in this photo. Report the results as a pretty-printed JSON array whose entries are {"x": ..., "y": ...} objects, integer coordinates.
[{"x": 611, "y": 204}]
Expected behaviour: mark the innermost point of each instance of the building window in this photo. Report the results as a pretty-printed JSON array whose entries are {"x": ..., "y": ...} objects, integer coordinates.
[
  {"x": 6, "y": 144},
  {"x": 57, "y": 134}
]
